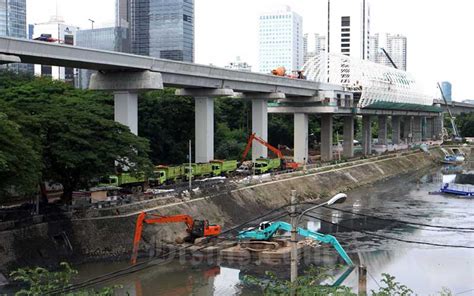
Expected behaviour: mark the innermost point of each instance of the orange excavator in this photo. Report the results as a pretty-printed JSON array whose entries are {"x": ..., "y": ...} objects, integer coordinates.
[
  {"x": 195, "y": 228},
  {"x": 288, "y": 165}
]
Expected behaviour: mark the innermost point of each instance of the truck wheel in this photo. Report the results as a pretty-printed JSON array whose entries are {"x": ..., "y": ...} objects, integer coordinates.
[
  {"x": 139, "y": 189},
  {"x": 133, "y": 189}
]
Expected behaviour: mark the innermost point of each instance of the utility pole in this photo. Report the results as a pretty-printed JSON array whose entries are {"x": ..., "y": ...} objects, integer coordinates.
[
  {"x": 294, "y": 242},
  {"x": 190, "y": 168}
]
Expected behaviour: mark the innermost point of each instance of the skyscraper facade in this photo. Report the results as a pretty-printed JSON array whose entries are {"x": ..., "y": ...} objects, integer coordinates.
[
  {"x": 281, "y": 40},
  {"x": 318, "y": 48},
  {"x": 394, "y": 44},
  {"x": 13, "y": 24},
  {"x": 163, "y": 28},
  {"x": 13, "y": 18},
  {"x": 349, "y": 28},
  {"x": 111, "y": 38},
  {"x": 397, "y": 49}
]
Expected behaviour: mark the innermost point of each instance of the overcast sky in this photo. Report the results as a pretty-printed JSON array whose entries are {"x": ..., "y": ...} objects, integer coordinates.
[{"x": 440, "y": 39}]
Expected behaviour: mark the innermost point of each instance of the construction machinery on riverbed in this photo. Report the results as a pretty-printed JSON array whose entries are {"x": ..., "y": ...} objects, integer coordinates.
[{"x": 195, "y": 228}]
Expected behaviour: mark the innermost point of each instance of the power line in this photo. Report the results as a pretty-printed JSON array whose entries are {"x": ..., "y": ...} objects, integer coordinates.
[
  {"x": 391, "y": 238},
  {"x": 146, "y": 264}
]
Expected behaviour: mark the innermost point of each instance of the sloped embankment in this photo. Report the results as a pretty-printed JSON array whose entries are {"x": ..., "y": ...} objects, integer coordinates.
[{"x": 99, "y": 238}]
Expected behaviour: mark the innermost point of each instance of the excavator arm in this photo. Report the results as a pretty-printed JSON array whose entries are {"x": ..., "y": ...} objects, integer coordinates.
[
  {"x": 142, "y": 218},
  {"x": 270, "y": 231},
  {"x": 264, "y": 143}
]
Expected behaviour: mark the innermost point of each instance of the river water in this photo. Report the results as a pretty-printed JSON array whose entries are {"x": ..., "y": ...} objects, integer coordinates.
[{"x": 425, "y": 269}]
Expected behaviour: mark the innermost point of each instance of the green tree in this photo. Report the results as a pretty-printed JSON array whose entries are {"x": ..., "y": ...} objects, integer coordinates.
[
  {"x": 72, "y": 131},
  {"x": 20, "y": 164},
  {"x": 465, "y": 124},
  {"x": 167, "y": 121}
]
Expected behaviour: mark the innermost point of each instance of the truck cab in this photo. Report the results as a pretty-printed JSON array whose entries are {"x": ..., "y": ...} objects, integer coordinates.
[{"x": 266, "y": 165}]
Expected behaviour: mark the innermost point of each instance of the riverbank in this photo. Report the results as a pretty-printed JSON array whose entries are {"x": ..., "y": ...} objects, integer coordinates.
[{"x": 109, "y": 236}]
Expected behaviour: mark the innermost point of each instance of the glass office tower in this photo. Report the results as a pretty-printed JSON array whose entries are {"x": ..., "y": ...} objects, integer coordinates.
[{"x": 163, "y": 28}]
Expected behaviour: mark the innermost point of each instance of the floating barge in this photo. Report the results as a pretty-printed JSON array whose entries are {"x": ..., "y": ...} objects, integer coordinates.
[{"x": 460, "y": 190}]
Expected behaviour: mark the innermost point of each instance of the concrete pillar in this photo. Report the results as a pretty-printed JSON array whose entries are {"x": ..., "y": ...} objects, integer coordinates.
[
  {"x": 382, "y": 135},
  {"x": 204, "y": 129},
  {"x": 423, "y": 128},
  {"x": 438, "y": 126},
  {"x": 301, "y": 138},
  {"x": 259, "y": 126},
  {"x": 125, "y": 86},
  {"x": 126, "y": 109},
  {"x": 407, "y": 129},
  {"x": 395, "y": 130},
  {"x": 429, "y": 128},
  {"x": 326, "y": 137},
  {"x": 366, "y": 135},
  {"x": 417, "y": 129},
  {"x": 348, "y": 146}
]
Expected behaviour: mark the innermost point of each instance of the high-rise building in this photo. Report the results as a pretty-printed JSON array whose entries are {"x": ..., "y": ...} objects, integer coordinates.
[
  {"x": 320, "y": 43},
  {"x": 13, "y": 24},
  {"x": 163, "y": 28},
  {"x": 396, "y": 47},
  {"x": 447, "y": 90},
  {"x": 239, "y": 65},
  {"x": 122, "y": 13},
  {"x": 374, "y": 48},
  {"x": 58, "y": 32},
  {"x": 280, "y": 40},
  {"x": 318, "y": 48},
  {"x": 13, "y": 18},
  {"x": 349, "y": 28},
  {"x": 111, "y": 38}
]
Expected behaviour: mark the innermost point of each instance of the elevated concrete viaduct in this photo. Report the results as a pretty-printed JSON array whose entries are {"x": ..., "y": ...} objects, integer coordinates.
[{"x": 127, "y": 75}]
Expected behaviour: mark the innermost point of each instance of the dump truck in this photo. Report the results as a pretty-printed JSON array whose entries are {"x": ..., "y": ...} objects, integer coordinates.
[
  {"x": 168, "y": 174},
  {"x": 124, "y": 180},
  {"x": 198, "y": 170},
  {"x": 223, "y": 167},
  {"x": 267, "y": 165}
]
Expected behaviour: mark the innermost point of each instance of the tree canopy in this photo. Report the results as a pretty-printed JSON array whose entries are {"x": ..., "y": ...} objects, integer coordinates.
[{"x": 56, "y": 132}]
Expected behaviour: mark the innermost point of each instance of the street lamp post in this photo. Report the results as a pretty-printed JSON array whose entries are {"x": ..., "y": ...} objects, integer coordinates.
[
  {"x": 92, "y": 23},
  {"x": 338, "y": 198}
]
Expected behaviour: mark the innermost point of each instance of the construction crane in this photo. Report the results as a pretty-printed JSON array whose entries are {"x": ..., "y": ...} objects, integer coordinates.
[
  {"x": 456, "y": 135},
  {"x": 195, "y": 228},
  {"x": 268, "y": 229},
  {"x": 389, "y": 58},
  {"x": 276, "y": 151}
]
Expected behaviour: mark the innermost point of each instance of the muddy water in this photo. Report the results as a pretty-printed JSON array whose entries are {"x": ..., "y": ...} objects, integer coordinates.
[{"x": 423, "y": 268}]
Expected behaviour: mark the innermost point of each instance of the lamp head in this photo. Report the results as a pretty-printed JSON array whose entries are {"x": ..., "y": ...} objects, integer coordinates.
[{"x": 338, "y": 198}]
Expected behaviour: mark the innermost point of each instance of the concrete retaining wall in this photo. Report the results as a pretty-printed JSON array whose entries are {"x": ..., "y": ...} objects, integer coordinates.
[{"x": 79, "y": 240}]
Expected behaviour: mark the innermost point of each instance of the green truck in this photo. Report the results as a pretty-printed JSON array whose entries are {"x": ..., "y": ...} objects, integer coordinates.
[
  {"x": 124, "y": 180},
  {"x": 266, "y": 165},
  {"x": 223, "y": 167},
  {"x": 168, "y": 174},
  {"x": 198, "y": 170}
]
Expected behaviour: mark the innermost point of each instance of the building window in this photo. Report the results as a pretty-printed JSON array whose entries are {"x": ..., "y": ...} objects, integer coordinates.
[
  {"x": 346, "y": 40},
  {"x": 345, "y": 29},
  {"x": 345, "y": 45},
  {"x": 345, "y": 35},
  {"x": 345, "y": 21},
  {"x": 345, "y": 50}
]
